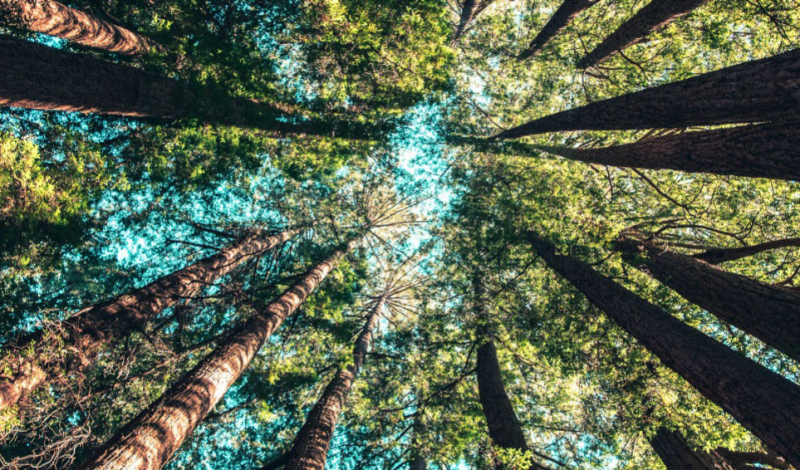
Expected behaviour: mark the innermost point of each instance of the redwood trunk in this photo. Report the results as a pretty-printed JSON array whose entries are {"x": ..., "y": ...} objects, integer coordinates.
[
  {"x": 676, "y": 454},
  {"x": 771, "y": 314},
  {"x": 654, "y": 16},
  {"x": 311, "y": 445},
  {"x": 567, "y": 12},
  {"x": 720, "y": 255},
  {"x": 88, "y": 331},
  {"x": 504, "y": 427},
  {"x": 757, "y": 91},
  {"x": 758, "y": 151},
  {"x": 54, "y": 19},
  {"x": 761, "y": 400},
  {"x": 150, "y": 440},
  {"x": 468, "y": 10}
]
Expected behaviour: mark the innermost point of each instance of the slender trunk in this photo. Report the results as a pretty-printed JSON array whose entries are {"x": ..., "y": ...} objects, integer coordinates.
[
  {"x": 468, "y": 11},
  {"x": 757, "y": 91},
  {"x": 720, "y": 255},
  {"x": 676, "y": 454},
  {"x": 654, "y": 16},
  {"x": 744, "y": 459},
  {"x": 758, "y": 151},
  {"x": 54, "y": 19},
  {"x": 310, "y": 447},
  {"x": 150, "y": 440},
  {"x": 761, "y": 400},
  {"x": 771, "y": 314},
  {"x": 87, "y": 332},
  {"x": 567, "y": 12},
  {"x": 89, "y": 85}
]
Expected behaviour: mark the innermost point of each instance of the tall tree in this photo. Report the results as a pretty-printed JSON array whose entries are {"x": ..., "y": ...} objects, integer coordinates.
[
  {"x": 770, "y": 313},
  {"x": 568, "y": 11},
  {"x": 758, "y": 151},
  {"x": 757, "y": 91},
  {"x": 676, "y": 453},
  {"x": 654, "y": 16},
  {"x": 310, "y": 446},
  {"x": 761, "y": 400},
  {"x": 470, "y": 9},
  {"x": 88, "y": 331},
  {"x": 54, "y": 19},
  {"x": 150, "y": 439},
  {"x": 89, "y": 85}
]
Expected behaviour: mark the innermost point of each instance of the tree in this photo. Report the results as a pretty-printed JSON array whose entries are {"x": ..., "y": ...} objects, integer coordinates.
[
  {"x": 655, "y": 15},
  {"x": 469, "y": 10},
  {"x": 54, "y": 19},
  {"x": 676, "y": 454},
  {"x": 756, "y": 91},
  {"x": 720, "y": 255},
  {"x": 748, "y": 391},
  {"x": 90, "y": 329},
  {"x": 150, "y": 440},
  {"x": 568, "y": 11},
  {"x": 770, "y": 313}
]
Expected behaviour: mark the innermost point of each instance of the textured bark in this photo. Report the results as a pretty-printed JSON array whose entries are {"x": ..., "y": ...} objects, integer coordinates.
[
  {"x": 758, "y": 151},
  {"x": 54, "y": 19},
  {"x": 654, "y": 16},
  {"x": 743, "y": 459},
  {"x": 88, "y": 85},
  {"x": 150, "y": 440},
  {"x": 504, "y": 427},
  {"x": 720, "y": 255},
  {"x": 88, "y": 331},
  {"x": 567, "y": 12},
  {"x": 311, "y": 445},
  {"x": 468, "y": 10},
  {"x": 757, "y": 91},
  {"x": 761, "y": 400},
  {"x": 676, "y": 454},
  {"x": 770, "y": 313}
]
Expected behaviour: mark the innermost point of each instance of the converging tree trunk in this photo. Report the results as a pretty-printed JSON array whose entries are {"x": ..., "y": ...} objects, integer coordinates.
[
  {"x": 761, "y": 400},
  {"x": 85, "y": 84},
  {"x": 88, "y": 331},
  {"x": 720, "y": 255},
  {"x": 311, "y": 445},
  {"x": 758, "y": 151},
  {"x": 654, "y": 16},
  {"x": 753, "y": 92},
  {"x": 54, "y": 19},
  {"x": 150, "y": 440},
  {"x": 470, "y": 9},
  {"x": 567, "y": 12},
  {"x": 676, "y": 454},
  {"x": 770, "y": 313}
]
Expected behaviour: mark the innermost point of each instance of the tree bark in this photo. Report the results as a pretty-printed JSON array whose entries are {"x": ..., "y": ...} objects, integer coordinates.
[
  {"x": 567, "y": 12},
  {"x": 86, "y": 85},
  {"x": 762, "y": 401},
  {"x": 88, "y": 331},
  {"x": 654, "y": 16},
  {"x": 720, "y": 255},
  {"x": 757, "y": 91},
  {"x": 676, "y": 454},
  {"x": 770, "y": 313},
  {"x": 743, "y": 459},
  {"x": 418, "y": 463},
  {"x": 468, "y": 9},
  {"x": 757, "y": 151},
  {"x": 311, "y": 445},
  {"x": 150, "y": 440},
  {"x": 54, "y": 19}
]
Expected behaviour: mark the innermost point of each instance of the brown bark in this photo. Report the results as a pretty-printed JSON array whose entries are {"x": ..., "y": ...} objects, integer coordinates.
[
  {"x": 770, "y": 313},
  {"x": 468, "y": 10},
  {"x": 311, "y": 445},
  {"x": 504, "y": 427},
  {"x": 757, "y": 91},
  {"x": 720, "y": 255},
  {"x": 742, "y": 459},
  {"x": 654, "y": 16},
  {"x": 758, "y": 151},
  {"x": 88, "y": 331},
  {"x": 150, "y": 440},
  {"x": 761, "y": 400},
  {"x": 567, "y": 12},
  {"x": 676, "y": 454},
  {"x": 54, "y": 19}
]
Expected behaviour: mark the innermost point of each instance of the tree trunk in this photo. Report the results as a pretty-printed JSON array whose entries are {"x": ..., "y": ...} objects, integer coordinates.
[
  {"x": 150, "y": 440},
  {"x": 54, "y": 19},
  {"x": 771, "y": 314},
  {"x": 654, "y": 16},
  {"x": 88, "y": 331},
  {"x": 676, "y": 454},
  {"x": 567, "y": 12},
  {"x": 418, "y": 463},
  {"x": 761, "y": 400},
  {"x": 720, "y": 255},
  {"x": 468, "y": 11},
  {"x": 743, "y": 459},
  {"x": 88, "y": 85},
  {"x": 757, "y": 91},
  {"x": 504, "y": 427},
  {"x": 758, "y": 151},
  {"x": 310, "y": 447}
]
